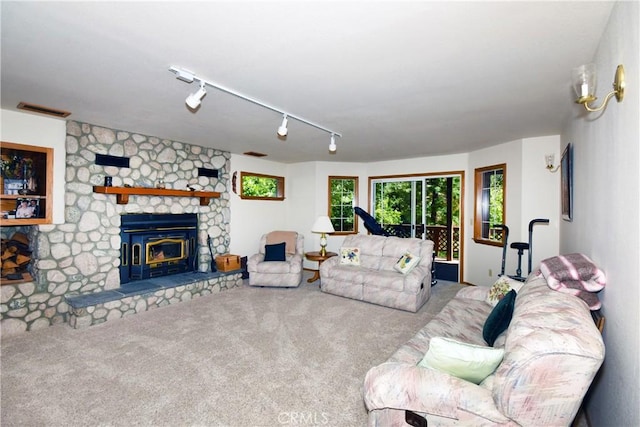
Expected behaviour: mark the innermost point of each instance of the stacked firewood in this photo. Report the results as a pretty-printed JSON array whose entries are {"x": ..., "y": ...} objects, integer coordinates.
[{"x": 15, "y": 256}]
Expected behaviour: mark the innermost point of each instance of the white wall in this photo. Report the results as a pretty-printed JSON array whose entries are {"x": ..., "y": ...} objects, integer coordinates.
[
  {"x": 480, "y": 258},
  {"x": 606, "y": 220},
  {"x": 304, "y": 208},
  {"x": 322, "y": 171},
  {"x": 32, "y": 129},
  {"x": 540, "y": 197},
  {"x": 306, "y": 193},
  {"x": 532, "y": 192},
  {"x": 250, "y": 219}
]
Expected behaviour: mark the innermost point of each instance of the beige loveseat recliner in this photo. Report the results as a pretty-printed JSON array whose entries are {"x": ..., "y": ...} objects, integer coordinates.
[
  {"x": 287, "y": 273},
  {"x": 552, "y": 352},
  {"x": 376, "y": 280}
]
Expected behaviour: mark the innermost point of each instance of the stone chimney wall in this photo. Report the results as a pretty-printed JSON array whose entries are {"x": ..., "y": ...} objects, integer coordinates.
[{"x": 83, "y": 254}]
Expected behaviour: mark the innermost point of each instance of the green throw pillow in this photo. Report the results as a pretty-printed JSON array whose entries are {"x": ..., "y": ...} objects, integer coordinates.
[
  {"x": 499, "y": 318},
  {"x": 466, "y": 361}
]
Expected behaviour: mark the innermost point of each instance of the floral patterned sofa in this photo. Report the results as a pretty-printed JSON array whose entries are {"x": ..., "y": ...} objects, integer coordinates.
[
  {"x": 552, "y": 352},
  {"x": 374, "y": 277}
]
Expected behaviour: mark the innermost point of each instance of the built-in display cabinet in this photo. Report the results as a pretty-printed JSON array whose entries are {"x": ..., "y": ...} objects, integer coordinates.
[{"x": 26, "y": 182}]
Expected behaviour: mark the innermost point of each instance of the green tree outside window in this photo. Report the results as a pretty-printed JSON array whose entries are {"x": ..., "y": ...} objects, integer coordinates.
[{"x": 343, "y": 197}]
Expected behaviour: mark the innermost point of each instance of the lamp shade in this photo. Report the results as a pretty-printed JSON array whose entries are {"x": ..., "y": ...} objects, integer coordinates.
[
  {"x": 584, "y": 82},
  {"x": 322, "y": 225}
]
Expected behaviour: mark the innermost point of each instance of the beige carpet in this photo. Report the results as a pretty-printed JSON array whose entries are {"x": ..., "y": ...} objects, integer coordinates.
[{"x": 245, "y": 357}]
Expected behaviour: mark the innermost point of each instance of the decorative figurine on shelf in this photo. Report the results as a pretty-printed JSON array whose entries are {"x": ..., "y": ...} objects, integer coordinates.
[
  {"x": 161, "y": 183},
  {"x": 18, "y": 174}
]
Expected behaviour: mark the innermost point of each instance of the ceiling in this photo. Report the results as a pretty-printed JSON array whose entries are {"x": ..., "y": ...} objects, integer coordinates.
[{"x": 396, "y": 79}]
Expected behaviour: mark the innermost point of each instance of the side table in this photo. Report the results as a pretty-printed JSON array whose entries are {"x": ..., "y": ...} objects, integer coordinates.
[{"x": 315, "y": 256}]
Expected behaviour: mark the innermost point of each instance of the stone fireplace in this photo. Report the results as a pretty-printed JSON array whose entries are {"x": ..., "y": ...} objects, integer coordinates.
[
  {"x": 82, "y": 255},
  {"x": 157, "y": 245}
]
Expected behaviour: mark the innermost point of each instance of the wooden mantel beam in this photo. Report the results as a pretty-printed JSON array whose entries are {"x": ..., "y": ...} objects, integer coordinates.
[{"x": 123, "y": 193}]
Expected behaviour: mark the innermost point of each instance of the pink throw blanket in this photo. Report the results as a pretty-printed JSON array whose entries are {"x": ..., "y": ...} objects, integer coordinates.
[{"x": 574, "y": 274}]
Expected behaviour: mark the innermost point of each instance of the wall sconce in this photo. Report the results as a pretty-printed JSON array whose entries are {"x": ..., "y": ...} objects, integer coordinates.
[
  {"x": 584, "y": 83},
  {"x": 549, "y": 159}
]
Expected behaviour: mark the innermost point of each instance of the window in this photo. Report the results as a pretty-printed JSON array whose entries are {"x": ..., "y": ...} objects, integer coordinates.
[
  {"x": 261, "y": 187},
  {"x": 343, "y": 197},
  {"x": 490, "y": 185}
]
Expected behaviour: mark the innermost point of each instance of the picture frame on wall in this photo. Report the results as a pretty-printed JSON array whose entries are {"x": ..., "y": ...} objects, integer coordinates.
[{"x": 566, "y": 180}]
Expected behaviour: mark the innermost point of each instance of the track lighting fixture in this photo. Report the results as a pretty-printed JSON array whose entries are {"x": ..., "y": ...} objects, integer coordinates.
[
  {"x": 194, "y": 100},
  {"x": 332, "y": 144},
  {"x": 282, "y": 130}
]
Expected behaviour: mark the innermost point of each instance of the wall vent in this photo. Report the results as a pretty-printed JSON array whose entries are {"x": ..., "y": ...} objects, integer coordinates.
[
  {"x": 43, "y": 110},
  {"x": 254, "y": 154}
]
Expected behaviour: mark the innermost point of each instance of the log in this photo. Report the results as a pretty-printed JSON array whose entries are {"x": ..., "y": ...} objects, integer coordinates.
[
  {"x": 15, "y": 256},
  {"x": 21, "y": 238},
  {"x": 6, "y": 254},
  {"x": 9, "y": 264},
  {"x": 22, "y": 259}
]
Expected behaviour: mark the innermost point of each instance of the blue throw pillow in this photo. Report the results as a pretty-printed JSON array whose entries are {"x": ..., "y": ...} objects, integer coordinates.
[
  {"x": 275, "y": 252},
  {"x": 499, "y": 318}
]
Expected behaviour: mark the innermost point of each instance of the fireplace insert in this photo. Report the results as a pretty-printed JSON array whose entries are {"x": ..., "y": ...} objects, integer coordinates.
[{"x": 155, "y": 245}]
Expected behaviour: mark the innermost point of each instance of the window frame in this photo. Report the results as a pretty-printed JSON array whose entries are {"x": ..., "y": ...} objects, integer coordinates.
[
  {"x": 478, "y": 207},
  {"x": 279, "y": 186},
  {"x": 354, "y": 203}
]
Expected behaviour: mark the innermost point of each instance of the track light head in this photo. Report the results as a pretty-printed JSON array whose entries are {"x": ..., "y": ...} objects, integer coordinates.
[
  {"x": 193, "y": 100},
  {"x": 282, "y": 130},
  {"x": 332, "y": 144}
]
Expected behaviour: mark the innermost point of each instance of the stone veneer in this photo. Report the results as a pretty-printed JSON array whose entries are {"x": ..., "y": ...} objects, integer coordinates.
[
  {"x": 98, "y": 307},
  {"x": 83, "y": 255}
]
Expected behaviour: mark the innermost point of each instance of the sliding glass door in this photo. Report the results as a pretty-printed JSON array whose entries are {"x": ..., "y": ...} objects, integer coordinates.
[{"x": 426, "y": 207}]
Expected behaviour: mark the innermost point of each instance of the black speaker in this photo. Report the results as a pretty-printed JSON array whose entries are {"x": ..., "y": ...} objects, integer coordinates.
[
  {"x": 106, "y": 160},
  {"x": 211, "y": 173}
]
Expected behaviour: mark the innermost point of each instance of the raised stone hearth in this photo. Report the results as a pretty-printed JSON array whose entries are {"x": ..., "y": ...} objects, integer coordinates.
[{"x": 142, "y": 295}]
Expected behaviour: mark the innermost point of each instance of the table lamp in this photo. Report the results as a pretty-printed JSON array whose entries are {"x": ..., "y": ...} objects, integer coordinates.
[{"x": 323, "y": 226}]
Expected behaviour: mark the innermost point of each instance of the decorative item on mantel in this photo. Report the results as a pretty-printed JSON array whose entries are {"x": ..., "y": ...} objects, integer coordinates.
[{"x": 161, "y": 183}]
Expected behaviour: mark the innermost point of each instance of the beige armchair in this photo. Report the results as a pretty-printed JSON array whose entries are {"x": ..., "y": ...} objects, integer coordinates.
[{"x": 278, "y": 261}]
